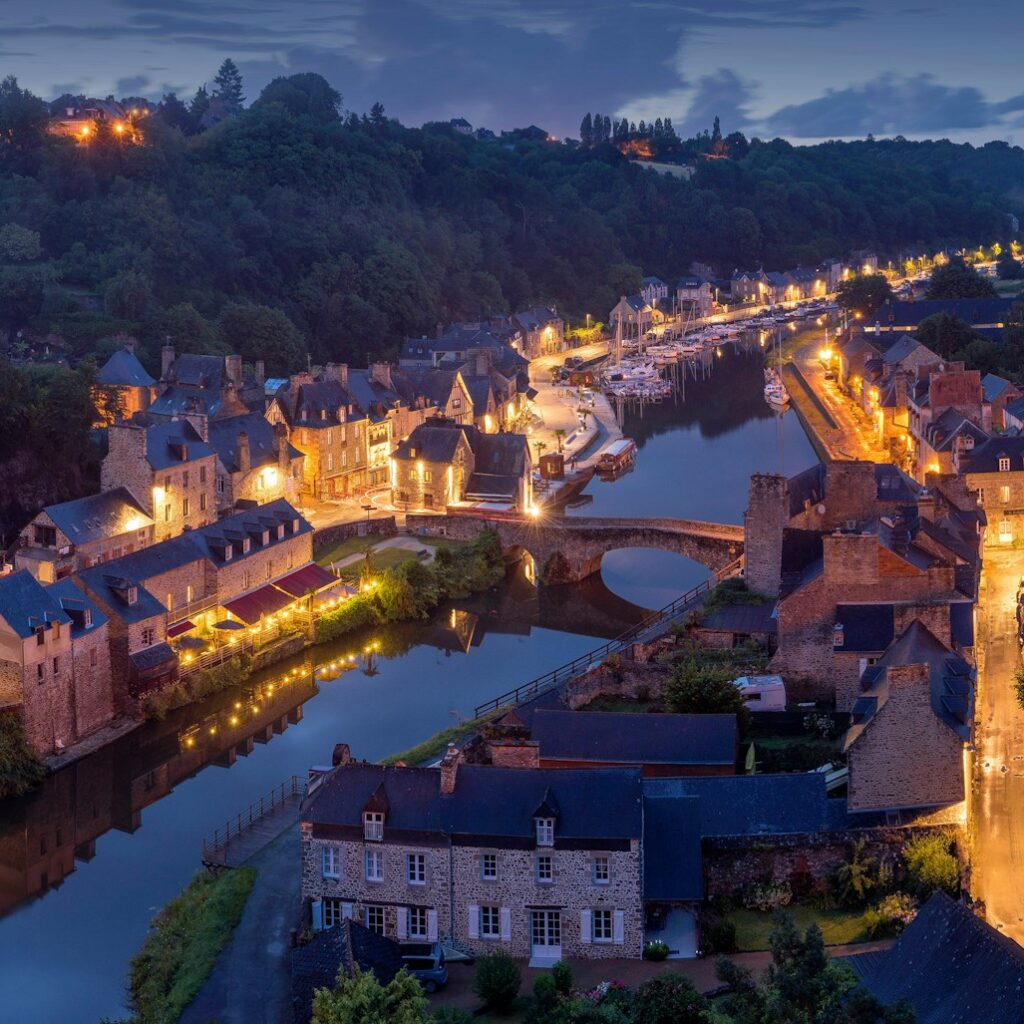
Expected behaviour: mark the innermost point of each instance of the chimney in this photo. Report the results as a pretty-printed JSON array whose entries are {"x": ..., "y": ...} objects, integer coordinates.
[
  {"x": 261, "y": 371},
  {"x": 243, "y": 457},
  {"x": 166, "y": 361},
  {"x": 381, "y": 373},
  {"x": 281, "y": 448},
  {"x": 438, "y": 331},
  {"x": 515, "y": 753},
  {"x": 926, "y": 505},
  {"x": 341, "y": 755},
  {"x": 296, "y": 380},
  {"x": 337, "y": 372},
  {"x": 233, "y": 369},
  {"x": 483, "y": 363},
  {"x": 449, "y": 769}
]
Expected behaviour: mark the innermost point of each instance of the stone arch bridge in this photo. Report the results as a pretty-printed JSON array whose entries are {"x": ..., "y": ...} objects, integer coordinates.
[{"x": 567, "y": 549}]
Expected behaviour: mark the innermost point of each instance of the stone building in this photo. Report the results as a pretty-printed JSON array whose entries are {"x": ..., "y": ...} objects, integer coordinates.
[
  {"x": 910, "y": 727},
  {"x": 169, "y": 468},
  {"x": 694, "y": 296},
  {"x": 123, "y": 377},
  {"x": 540, "y": 864},
  {"x": 994, "y": 473},
  {"x": 73, "y": 535},
  {"x": 999, "y": 393},
  {"x": 205, "y": 385},
  {"x": 542, "y": 331}
]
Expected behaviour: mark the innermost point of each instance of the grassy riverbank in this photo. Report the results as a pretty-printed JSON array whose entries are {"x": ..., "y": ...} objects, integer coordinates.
[
  {"x": 183, "y": 943},
  {"x": 20, "y": 767},
  {"x": 433, "y": 746}
]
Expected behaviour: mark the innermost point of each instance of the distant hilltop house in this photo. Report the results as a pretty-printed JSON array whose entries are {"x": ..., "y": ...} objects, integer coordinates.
[
  {"x": 80, "y": 117},
  {"x": 461, "y": 125}
]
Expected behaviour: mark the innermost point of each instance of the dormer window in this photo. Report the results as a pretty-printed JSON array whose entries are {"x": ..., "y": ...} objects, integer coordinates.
[
  {"x": 88, "y": 618},
  {"x": 133, "y": 595},
  {"x": 280, "y": 531},
  {"x": 295, "y": 525},
  {"x": 545, "y": 831},
  {"x": 1004, "y": 464},
  {"x": 323, "y": 414},
  {"x": 245, "y": 546},
  {"x": 373, "y": 825},
  {"x": 265, "y": 537},
  {"x": 228, "y": 552}
]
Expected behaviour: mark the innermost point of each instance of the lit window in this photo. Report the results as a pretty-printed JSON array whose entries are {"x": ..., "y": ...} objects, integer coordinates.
[
  {"x": 332, "y": 862},
  {"x": 416, "y": 868},
  {"x": 601, "y": 925},
  {"x": 1004, "y": 495},
  {"x": 1004, "y": 464},
  {"x": 184, "y": 506},
  {"x": 375, "y": 865},
  {"x": 545, "y": 831}
]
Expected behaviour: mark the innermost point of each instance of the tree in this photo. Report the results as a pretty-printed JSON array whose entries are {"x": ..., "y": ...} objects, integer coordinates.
[
  {"x": 361, "y": 999},
  {"x": 228, "y": 86},
  {"x": 855, "y": 878},
  {"x": 669, "y": 998},
  {"x": 175, "y": 114},
  {"x": 128, "y": 295},
  {"x": 200, "y": 105},
  {"x": 497, "y": 980},
  {"x": 864, "y": 293},
  {"x": 701, "y": 690},
  {"x": 18, "y": 244},
  {"x": 931, "y": 865},
  {"x": 956, "y": 280},
  {"x": 21, "y": 297},
  {"x": 377, "y": 118},
  {"x": 259, "y": 332},
  {"x": 306, "y": 93},
  {"x": 946, "y": 335},
  {"x": 1008, "y": 268},
  {"x": 587, "y": 130},
  {"x": 24, "y": 118}
]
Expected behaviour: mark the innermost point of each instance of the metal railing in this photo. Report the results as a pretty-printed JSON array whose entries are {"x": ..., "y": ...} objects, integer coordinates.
[
  {"x": 208, "y": 659},
  {"x": 548, "y": 681},
  {"x": 215, "y": 847}
]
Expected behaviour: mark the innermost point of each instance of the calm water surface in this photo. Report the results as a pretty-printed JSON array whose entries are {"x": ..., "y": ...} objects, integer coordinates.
[{"x": 87, "y": 859}]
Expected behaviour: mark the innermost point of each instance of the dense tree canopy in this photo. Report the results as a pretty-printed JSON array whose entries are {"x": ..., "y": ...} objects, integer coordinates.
[
  {"x": 360, "y": 231},
  {"x": 956, "y": 280}
]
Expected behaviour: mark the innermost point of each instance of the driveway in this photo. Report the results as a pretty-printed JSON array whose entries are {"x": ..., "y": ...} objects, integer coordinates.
[{"x": 998, "y": 812}]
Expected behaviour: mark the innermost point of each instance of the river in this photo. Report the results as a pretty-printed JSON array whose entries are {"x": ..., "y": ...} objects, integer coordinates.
[{"x": 87, "y": 859}]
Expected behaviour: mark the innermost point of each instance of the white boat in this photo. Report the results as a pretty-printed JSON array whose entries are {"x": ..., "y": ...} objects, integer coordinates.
[{"x": 776, "y": 396}]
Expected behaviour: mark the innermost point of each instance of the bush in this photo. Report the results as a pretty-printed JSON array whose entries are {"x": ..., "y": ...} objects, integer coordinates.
[
  {"x": 562, "y": 975},
  {"x": 199, "y": 686},
  {"x": 931, "y": 865},
  {"x": 545, "y": 998},
  {"x": 855, "y": 880},
  {"x": 451, "y": 1015},
  {"x": 890, "y": 916},
  {"x": 20, "y": 767},
  {"x": 1018, "y": 687},
  {"x": 670, "y": 998},
  {"x": 656, "y": 950},
  {"x": 718, "y": 935},
  {"x": 766, "y": 896},
  {"x": 699, "y": 689},
  {"x": 497, "y": 980}
]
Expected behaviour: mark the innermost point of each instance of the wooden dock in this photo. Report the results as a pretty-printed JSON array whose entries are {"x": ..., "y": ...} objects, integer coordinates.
[{"x": 254, "y": 828}]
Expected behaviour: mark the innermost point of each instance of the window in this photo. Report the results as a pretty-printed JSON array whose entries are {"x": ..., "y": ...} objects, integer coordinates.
[
  {"x": 202, "y": 474},
  {"x": 545, "y": 831},
  {"x": 1004, "y": 495},
  {"x": 332, "y": 861},
  {"x": 56, "y": 665},
  {"x": 375, "y": 865},
  {"x": 416, "y": 868},
  {"x": 330, "y": 437},
  {"x": 1004, "y": 464},
  {"x": 428, "y": 501},
  {"x": 403, "y": 497},
  {"x": 246, "y": 579},
  {"x": 270, "y": 568},
  {"x": 184, "y": 506},
  {"x": 417, "y": 922},
  {"x": 330, "y": 462},
  {"x": 169, "y": 604},
  {"x": 602, "y": 874},
  {"x": 148, "y": 637},
  {"x": 545, "y": 869},
  {"x": 167, "y": 513},
  {"x": 490, "y": 923},
  {"x": 334, "y": 911},
  {"x": 375, "y": 919},
  {"x": 40, "y": 636},
  {"x": 92, "y": 657},
  {"x": 489, "y": 867},
  {"x": 373, "y": 825},
  {"x": 456, "y": 403},
  {"x": 601, "y": 925},
  {"x": 220, "y": 485},
  {"x": 202, "y": 502},
  {"x": 428, "y": 476},
  {"x": 39, "y": 671},
  {"x": 184, "y": 479},
  {"x": 189, "y": 594},
  {"x": 344, "y": 458}
]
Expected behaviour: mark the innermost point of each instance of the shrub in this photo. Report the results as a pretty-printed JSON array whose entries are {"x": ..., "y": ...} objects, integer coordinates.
[
  {"x": 20, "y": 767},
  {"x": 656, "y": 950},
  {"x": 718, "y": 935},
  {"x": 545, "y": 998},
  {"x": 1018, "y": 686},
  {"x": 699, "y": 689},
  {"x": 855, "y": 880},
  {"x": 931, "y": 865},
  {"x": 642, "y": 693},
  {"x": 562, "y": 975},
  {"x": 766, "y": 896},
  {"x": 497, "y": 980},
  {"x": 451, "y": 1015},
  {"x": 890, "y": 916},
  {"x": 670, "y": 998}
]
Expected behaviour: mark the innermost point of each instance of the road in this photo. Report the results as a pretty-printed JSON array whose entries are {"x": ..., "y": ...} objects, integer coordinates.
[{"x": 998, "y": 811}]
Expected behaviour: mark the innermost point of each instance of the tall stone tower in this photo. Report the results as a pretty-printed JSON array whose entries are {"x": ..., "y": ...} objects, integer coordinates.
[{"x": 766, "y": 517}]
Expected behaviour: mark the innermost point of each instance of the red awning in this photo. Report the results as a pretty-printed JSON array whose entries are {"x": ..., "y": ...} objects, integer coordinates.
[
  {"x": 178, "y": 628},
  {"x": 265, "y": 601},
  {"x": 302, "y": 581}
]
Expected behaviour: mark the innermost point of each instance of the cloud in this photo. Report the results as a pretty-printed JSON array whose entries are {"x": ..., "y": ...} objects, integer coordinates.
[
  {"x": 720, "y": 94},
  {"x": 133, "y": 85},
  {"x": 889, "y": 105}
]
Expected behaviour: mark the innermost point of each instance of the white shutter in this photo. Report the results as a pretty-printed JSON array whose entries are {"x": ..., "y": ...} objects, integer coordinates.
[
  {"x": 317, "y": 909},
  {"x": 346, "y": 911},
  {"x": 618, "y": 927},
  {"x": 403, "y": 923},
  {"x": 474, "y": 921},
  {"x": 432, "y": 925},
  {"x": 506, "y": 924},
  {"x": 586, "y": 932}
]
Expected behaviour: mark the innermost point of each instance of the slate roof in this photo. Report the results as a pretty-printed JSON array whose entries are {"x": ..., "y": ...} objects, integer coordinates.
[
  {"x": 984, "y": 458},
  {"x": 123, "y": 369},
  {"x": 690, "y": 281},
  {"x": 892, "y": 484},
  {"x": 74, "y": 600},
  {"x": 952, "y": 682},
  {"x": 743, "y": 618},
  {"x": 107, "y": 585},
  {"x": 224, "y": 441},
  {"x": 25, "y": 604},
  {"x": 866, "y": 627},
  {"x": 993, "y": 386},
  {"x": 614, "y": 738},
  {"x": 951, "y": 967},
  {"x": 156, "y": 559},
  {"x": 902, "y": 349},
  {"x": 593, "y": 803},
  {"x": 207, "y": 541},
  {"x": 315, "y": 965},
  {"x": 164, "y": 444},
  {"x": 971, "y": 311},
  {"x": 98, "y": 516},
  {"x": 315, "y": 405},
  {"x": 673, "y": 864},
  {"x": 537, "y": 317},
  {"x": 945, "y": 429},
  {"x": 503, "y": 454},
  {"x": 435, "y": 384},
  {"x": 751, "y": 805},
  {"x": 430, "y": 443},
  {"x": 806, "y": 487}
]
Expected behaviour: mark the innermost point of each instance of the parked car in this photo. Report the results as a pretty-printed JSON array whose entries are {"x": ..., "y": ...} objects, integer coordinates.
[{"x": 425, "y": 962}]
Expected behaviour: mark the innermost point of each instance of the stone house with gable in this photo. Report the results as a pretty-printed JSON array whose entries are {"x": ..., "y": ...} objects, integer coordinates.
[
  {"x": 994, "y": 474},
  {"x": 169, "y": 468},
  {"x": 542, "y": 331},
  {"x": 634, "y": 315},
  {"x": 694, "y": 295},
  {"x": 540, "y": 864},
  {"x": 123, "y": 376},
  {"x": 73, "y": 535},
  {"x": 205, "y": 385},
  {"x": 654, "y": 291}
]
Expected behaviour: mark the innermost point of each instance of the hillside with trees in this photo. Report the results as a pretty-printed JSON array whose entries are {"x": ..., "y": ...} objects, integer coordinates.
[{"x": 290, "y": 227}]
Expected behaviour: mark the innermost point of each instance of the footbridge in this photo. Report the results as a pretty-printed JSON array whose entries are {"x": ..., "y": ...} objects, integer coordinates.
[{"x": 567, "y": 549}]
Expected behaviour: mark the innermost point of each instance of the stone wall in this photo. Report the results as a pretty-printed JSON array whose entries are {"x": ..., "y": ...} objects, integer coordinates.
[
  {"x": 261, "y": 565},
  {"x": 766, "y": 517},
  {"x": 623, "y": 681},
  {"x": 384, "y": 526},
  {"x": 47, "y": 689},
  {"x": 94, "y": 691}
]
